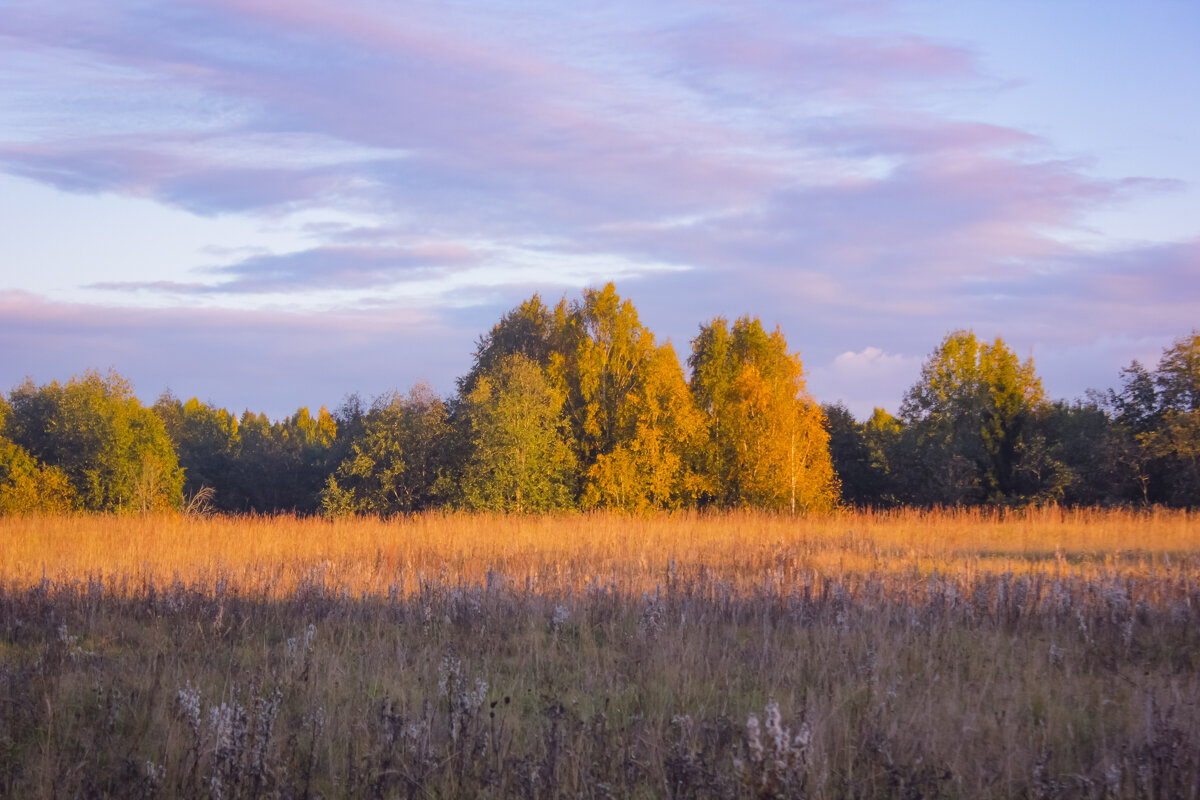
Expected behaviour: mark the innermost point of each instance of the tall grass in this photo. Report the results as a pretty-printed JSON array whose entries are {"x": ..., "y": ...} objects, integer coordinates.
[
  {"x": 273, "y": 556},
  {"x": 955, "y": 654}
]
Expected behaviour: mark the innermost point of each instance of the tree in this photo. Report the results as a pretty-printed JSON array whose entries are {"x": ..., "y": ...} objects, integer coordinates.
[
  {"x": 393, "y": 466},
  {"x": 768, "y": 445},
  {"x": 968, "y": 414},
  {"x": 114, "y": 452},
  {"x": 866, "y": 456},
  {"x": 1178, "y": 375},
  {"x": 25, "y": 485},
  {"x": 630, "y": 419},
  {"x": 1156, "y": 427},
  {"x": 650, "y": 465},
  {"x": 531, "y": 330},
  {"x": 519, "y": 459},
  {"x": 208, "y": 443}
]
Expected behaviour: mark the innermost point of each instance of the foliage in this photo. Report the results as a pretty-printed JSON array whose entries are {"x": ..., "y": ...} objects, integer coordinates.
[
  {"x": 531, "y": 330},
  {"x": 394, "y": 464},
  {"x": 114, "y": 452},
  {"x": 209, "y": 444},
  {"x": 1156, "y": 427},
  {"x": 768, "y": 446},
  {"x": 968, "y": 417},
  {"x": 868, "y": 457},
  {"x": 631, "y": 425},
  {"x": 519, "y": 459},
  {"x": 25, "y": 485},
  {"x": 578, "y": 406}
]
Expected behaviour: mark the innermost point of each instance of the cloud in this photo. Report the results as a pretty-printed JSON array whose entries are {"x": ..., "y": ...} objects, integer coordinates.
[
  {"x": 859, "y": 378},
  {"x": 330, "y": 267},
  {"x": 717, "y": 158},
  {"x": 270, "y": 362}
]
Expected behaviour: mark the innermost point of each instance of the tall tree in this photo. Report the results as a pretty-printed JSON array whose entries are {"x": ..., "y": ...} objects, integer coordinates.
[
  {"x": 968, "y": 414},
  {"x": 518, "y": 457},
  {"x": 631, "y": 419},
  {"x": 1169, "y": 439},
  {"x": 114, "y": 451},
  {"x": 394, "y": 464},
  {"x": 768, "y": 443},
  {"x": 209, "y": 445},
  {"x": 651, "y": 463}
]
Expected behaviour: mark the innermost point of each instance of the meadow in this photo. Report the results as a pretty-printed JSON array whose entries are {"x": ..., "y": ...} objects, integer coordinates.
[{"x": 1037, "y": 653}]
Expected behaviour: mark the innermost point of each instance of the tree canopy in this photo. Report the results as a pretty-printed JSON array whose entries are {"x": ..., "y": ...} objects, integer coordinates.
[
  {"x": 579, "y": 406},
  {"x": 114, "y": 452}
]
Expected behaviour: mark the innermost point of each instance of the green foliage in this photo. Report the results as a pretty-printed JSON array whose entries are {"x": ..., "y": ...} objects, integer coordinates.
[
  {"x": 395, "y": 462},
  {"x": 967, "y": 416},
  {"x": 768, "y": 446},
  {"x": 114, "y": 452},
  {"x": 519, "y": 459},
  {"x": 282, "y": 466},
  {"x": 209, "y": 444},
  {"x": 867, "y": 457},
  {"x": 1155, "y": 436},
  {"x": 25, "y": 485}
]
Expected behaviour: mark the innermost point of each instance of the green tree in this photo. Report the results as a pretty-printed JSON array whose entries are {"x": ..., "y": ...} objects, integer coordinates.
[
  {"x": 1155, "y": 436},
  {"x": 519, "y": 459},
  {"x": 531, "y": 330},
  {"x": 968, "y": 414},
  {"x": 115, "y": 452},
  {"x": 209, "y": 445},
  {"x": 25, "y": 485},
  {"x": 1171, "y": 442},
  {"x": 282, "y": 466},
  {"x": 768, "y": 445},
  {"x": 867, "y": 456},
  {"x": 395, "y": 463}
]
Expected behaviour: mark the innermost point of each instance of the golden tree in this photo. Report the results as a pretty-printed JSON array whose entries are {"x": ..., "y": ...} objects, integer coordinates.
[{"x": 768, "y": 446}]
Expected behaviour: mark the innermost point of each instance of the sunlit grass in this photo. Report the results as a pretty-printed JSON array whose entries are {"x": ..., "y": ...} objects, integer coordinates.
[
  {"x": 933, "y": 654},
  {"x": 272, "y": 556}
]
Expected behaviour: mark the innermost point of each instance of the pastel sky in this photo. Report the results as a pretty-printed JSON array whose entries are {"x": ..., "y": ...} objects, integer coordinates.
[{"x": 272, "y": 204}]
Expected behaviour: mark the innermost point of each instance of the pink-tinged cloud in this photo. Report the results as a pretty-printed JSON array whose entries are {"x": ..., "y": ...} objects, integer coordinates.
[
  {"x": 327, "y": 267},
  {"x": 267, "y": 362},
  {"x": 796, "y": 171}
]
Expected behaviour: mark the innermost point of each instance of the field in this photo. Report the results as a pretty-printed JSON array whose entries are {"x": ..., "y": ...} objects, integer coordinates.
[{"x": 1046, "y": 653}]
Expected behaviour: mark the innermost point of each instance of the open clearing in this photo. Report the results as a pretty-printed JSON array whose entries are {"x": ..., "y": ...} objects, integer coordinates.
[{"x": 963, "y": 654}]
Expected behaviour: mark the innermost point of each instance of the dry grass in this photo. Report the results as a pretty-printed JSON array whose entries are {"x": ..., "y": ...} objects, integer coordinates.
[
  {"x": 273, "y": 556},
  {"x": 1040, "y": 654}
]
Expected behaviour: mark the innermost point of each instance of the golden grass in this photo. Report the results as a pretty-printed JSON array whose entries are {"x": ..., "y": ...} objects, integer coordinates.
[
  {"x": 274, "y": 556},
  {"x": 1055, "y": 653}
]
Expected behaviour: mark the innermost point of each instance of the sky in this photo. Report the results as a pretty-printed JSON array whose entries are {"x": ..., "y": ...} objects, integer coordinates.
[{"x": 270, "y": 205}]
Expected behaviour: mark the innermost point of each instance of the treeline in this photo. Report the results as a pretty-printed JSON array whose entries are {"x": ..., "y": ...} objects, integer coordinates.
[
  {"x": 571, "y": 407},
  {"x": 577, "y": 406},
  {"x": 977, "y": 428}
]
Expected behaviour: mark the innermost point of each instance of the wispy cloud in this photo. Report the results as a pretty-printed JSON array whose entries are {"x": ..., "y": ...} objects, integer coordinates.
[{"x": 778, "y": 158}]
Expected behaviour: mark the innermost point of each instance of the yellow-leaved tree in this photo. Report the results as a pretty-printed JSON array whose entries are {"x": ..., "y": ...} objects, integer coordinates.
[
  {"x": 632, "y": 420},
  {"x": 768, "y": 446}
]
